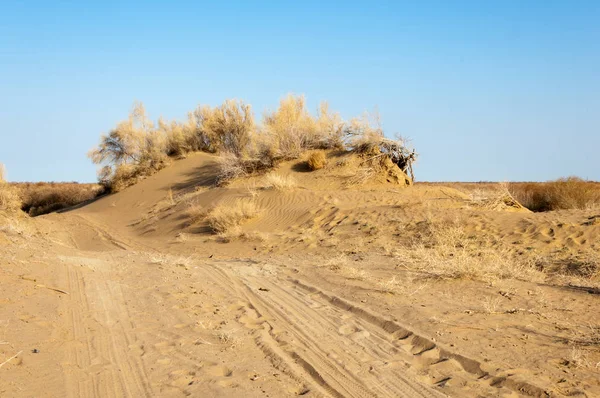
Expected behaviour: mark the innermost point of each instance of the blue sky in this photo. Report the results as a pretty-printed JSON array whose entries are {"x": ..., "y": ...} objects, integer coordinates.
[{"x": 504, "y": 90}]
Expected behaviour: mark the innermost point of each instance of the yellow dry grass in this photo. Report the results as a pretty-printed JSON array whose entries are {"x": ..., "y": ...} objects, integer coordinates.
[
  {"x": 225, "y": 217},
  {"x": 10, "y": 202},
  {"x": 280, "y": 182},
  {"x": 444, "y": 250},
  {"x": 316, "y": 160}
]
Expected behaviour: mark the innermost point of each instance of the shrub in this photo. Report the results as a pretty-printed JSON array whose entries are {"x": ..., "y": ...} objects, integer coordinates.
[
  {"x": 446, "y": 250},
  {"x": 131, "y": 150},
  {"x": 316, "y": 160},
  {"x": 10, "y": 202},
  {"x": 564, "y": 193},
  {"x": 230, "y": 167},
  {"x": 280, "y": 182},
  {"x": 42, "y": 198},
  {"x": 224, "y": 218},
  {"x": 135, "y": 148},
  {"x": 292, "y": 129},
  {"x": 226, "y": 128},
  {"x": 180, "y": 138}
]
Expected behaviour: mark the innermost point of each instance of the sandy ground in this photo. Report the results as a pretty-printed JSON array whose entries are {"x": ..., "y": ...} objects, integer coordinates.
[{"x": 323, "y": 294}]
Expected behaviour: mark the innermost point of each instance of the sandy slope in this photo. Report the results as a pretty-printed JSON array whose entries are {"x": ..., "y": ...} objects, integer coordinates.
[{"x": 126, "y": 297}]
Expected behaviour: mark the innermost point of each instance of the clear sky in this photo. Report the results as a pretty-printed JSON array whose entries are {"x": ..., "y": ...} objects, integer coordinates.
[{"x": 487, "y": 90}]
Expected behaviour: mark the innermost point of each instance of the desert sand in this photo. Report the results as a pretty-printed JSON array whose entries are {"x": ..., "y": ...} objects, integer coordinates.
[{"x": 323, "y": 293}]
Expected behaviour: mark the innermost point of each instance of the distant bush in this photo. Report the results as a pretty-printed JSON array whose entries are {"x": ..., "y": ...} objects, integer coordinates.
[
  {"x": 46, "y": 197},
  {"x": 10, "y": 202},
  {"x": 316, "y": 160},
  {"x": 564, "y": 193}
]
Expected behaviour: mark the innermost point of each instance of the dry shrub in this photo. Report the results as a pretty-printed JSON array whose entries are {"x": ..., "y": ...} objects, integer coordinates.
[
  {"x": 227, "y": 128},
  {"x": 280, "y": 182},
  {"x": 10, "y": 202},
  {"x": 564, "y": 193},
  {"x": 180, "y": 138},
  {"x": 224, "y": 218},
  {"x": 292, "y": 129},
  {"x": 42, "y": 197},
  {"x": 135, "y": 148},
  {"x": 232, "y": 166},
  {"x": 316, "y": 160},
  {"x": 132, "y": 150}
]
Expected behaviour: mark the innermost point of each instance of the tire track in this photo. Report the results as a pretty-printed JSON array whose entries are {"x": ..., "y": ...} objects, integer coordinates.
[
  {"x": 98, "y": 362},
  {"x": 338, "y": 353}
]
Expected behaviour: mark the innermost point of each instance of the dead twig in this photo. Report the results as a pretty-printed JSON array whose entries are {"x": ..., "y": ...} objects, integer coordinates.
[
  {"x": 53, "y": 288},
  {"x": 10, "y": 359}
]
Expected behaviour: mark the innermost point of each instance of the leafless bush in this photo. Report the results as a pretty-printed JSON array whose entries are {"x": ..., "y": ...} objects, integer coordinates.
[
  {"x": 293, "y": 130},
  {"x": 131, "y": 150},
  {"x": 228, "y": 127}
]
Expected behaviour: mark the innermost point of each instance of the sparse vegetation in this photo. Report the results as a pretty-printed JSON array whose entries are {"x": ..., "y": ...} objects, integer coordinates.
[
  {"x": 444, "y": 250},
  {"x": 224, "y": 217},
  {"x": 280, "y": 182},
  {"x": 135, "y": 148},
  {"x": 46, "y": 197},
  {"x": 9, "y": 196},
  {"x": 564, "y": 193}
]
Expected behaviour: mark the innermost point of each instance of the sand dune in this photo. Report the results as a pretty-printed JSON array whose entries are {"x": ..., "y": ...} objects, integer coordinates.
[{"x": 333, "y": 289}]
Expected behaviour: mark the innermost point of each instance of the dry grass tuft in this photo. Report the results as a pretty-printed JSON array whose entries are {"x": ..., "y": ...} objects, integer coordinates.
[
  {"x": 280, "y": 182},
  {"x": 223, "y": 218},
  {"x": 10, "y": 202},
  {"x": 360, "y": 177},
  {"x": 444, "y": 250},
  {"x": 316, "y": 160}
]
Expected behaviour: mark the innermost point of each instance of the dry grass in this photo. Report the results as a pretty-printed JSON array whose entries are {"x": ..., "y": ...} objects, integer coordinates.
[
  {"x": 45, "y": 197},
  {"x": 564, "y": 193},
  {"x": 279, "y": 182},
  {"x": 10, "y": 202},
  {"x": 444, "y": 250},
  {"x": 317, "y": 160},
  {"x": 224, "y": 218},
  {"x": 360, "y": 177}
]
